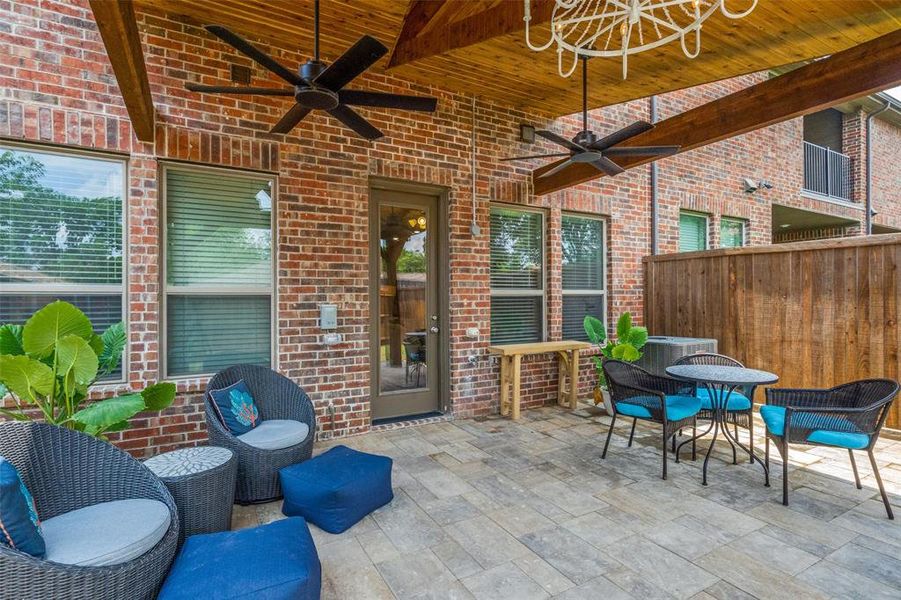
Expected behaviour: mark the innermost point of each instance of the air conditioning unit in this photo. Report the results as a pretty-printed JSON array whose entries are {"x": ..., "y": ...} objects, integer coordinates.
[{"x": 662, "y": 351}]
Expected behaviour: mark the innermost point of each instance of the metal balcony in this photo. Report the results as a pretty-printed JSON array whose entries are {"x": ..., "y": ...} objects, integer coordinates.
[{"x": 827, "y": 172}]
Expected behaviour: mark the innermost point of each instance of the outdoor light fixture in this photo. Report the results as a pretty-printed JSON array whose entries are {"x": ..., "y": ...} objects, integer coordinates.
[
  {"x": 527, "y": 133},
  {"x": 618, "y": 28},
  {"x": 750, "y": 185}
]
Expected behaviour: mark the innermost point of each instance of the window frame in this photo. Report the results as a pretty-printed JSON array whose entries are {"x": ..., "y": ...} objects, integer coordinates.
[
  {"x": 209, "y": 290},
  {"x": 94, "y": 289},
  {"x": 744, "y": 230},
  {"x": 589, "y": 292},
  {"x": 523, "y": 292},
  {"x": 706, "y": 218}
]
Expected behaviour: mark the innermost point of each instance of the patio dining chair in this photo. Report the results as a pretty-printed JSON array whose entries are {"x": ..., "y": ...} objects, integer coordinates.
[
  {"x": 414, "y": 348},
  {"x": 276, "y": 397},
  {"x": 847, "y": 416},
  {"x": 739, "y": 406},
  {"x": 639, "y": 394}
]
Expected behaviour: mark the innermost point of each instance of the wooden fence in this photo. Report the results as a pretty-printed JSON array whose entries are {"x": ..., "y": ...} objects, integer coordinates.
[{"x": 816, "y": 313}]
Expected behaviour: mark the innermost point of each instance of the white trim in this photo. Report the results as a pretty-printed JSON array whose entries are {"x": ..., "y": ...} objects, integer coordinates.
[
  {"x": 206, "y": 290},
  {"x": 523, "y": 292},
  {"x": 822, "y": 198},
  {"x": 72, "y": 289}
]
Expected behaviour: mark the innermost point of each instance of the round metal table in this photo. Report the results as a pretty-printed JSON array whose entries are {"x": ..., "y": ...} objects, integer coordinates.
[
  {"x": 202, "y": 482},
  {"x": 720, "y": 382}
]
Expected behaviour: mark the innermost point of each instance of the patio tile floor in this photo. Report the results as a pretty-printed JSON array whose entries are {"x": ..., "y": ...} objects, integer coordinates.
[{"x": 492, "y": 509}]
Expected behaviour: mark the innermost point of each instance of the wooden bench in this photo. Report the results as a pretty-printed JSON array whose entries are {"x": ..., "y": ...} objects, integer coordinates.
[{"x": 511, "y": 358}]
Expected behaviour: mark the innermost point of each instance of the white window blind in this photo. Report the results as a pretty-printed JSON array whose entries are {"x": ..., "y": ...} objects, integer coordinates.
[
  {"x": 61, "y": 234},
  {"x": 584, "y": 273},
  {"x": 692, "y": 232},
  {"x": 219, "y": 275},
  {"x": 517, "y": 275}
]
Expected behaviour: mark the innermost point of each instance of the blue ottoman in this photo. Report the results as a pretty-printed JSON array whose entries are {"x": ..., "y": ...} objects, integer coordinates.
[
  {"x": 337, "y": 488},
  {"x": 272, "y": 562}
]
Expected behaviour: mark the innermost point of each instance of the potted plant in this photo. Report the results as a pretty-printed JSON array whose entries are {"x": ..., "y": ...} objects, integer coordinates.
[
  {"x": 627, "y": 346},
  {"x": 48, "y": 365}
]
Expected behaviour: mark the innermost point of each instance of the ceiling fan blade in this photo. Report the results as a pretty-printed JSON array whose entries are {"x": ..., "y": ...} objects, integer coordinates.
[
  {"x": 361, "y": 126},
  {"x": 622, "y": 135},
  {"x": 642, "y": 151},
  {"x": 260, "y": 57},
  {"x": 559, "y": 139},
  {"x": 221, "y": 89},
  {"x": 556, "y": 169},
  {"x": 354, "y": 61},
  {"x": 363, "y": 98},
  {"x": 291, "y": 119},
  {"x": 607, "y": 166},
  {"x": 536, "y": 156}
]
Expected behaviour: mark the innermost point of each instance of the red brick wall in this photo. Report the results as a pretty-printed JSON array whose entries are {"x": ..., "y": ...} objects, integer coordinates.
[
  {"x": 886, "y": 181},
  {"x": 56, "y": 86}
]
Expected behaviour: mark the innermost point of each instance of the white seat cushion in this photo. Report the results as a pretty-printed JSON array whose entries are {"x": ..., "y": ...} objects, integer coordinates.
[
  {"x": 276, "y": 434},
  {"x": 105, "y": 534}
]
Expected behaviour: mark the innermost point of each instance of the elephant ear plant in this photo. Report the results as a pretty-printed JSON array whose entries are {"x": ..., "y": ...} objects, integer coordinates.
[
  {"x": 50, "y": 363},
  {"x": 627, "y": 346}
]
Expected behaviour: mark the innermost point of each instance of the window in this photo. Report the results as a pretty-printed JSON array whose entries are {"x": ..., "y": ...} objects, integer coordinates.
[
  {"x": 692, "y": 232},
  {"x": 218, "y": 270},
  {"x": 517, "y": 275},
  {"x": 61, "y": 234},
  {"x": 732, "y": 232},
  {"x": 584, "y": 274}
]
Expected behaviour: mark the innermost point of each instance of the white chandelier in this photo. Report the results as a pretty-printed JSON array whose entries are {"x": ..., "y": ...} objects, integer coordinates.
[{"x": 618, "y": 28}]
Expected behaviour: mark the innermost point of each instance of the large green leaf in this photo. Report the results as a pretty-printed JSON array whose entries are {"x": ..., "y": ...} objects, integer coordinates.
[
  {"x": 50, "y": 324},
  {"x": 104, "y": 414},
  {"x": 11, "y": 340},
  {"x": 638, "y": 337},
  {"x": 159, "y": 396},
  {"x": 114, "y": 340},
  {"x": 26, "y": 377},
  {"x": 594, "y": 329},
  {"x": 623, "y": 325},
  {"x": 629, "y": 353},
  {"x": 75, "y": 358}
]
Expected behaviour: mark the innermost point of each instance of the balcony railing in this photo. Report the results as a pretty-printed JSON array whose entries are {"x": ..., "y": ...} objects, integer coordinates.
[{"x": 827, "y": 172}]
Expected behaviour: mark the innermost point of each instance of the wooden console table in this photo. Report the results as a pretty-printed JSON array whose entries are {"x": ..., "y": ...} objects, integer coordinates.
[{"x": 511, "y": 358}]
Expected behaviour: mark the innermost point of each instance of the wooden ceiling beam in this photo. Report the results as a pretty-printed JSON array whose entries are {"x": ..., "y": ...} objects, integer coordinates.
[
  {"x": 846, "y": 75},
  {"x": 502, "y": 19},
  {"x": 119, "y": 31},
  {"x": 419, "y": 14}
]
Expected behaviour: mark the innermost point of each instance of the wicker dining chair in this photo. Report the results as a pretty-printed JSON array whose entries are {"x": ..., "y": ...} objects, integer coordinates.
[
  {"x": 639, "y": 394},
  {"x": 276, "y": 397},
  {"x": 847, "y": 416},
  {"x": 66, "y": 470},
  {"x": 739, "y": 407}
]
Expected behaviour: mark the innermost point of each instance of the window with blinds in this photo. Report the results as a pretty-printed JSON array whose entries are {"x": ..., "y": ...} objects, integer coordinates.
[
  {"x": 517, "y": 275},
  {"x": 584, "y": 273},
  {"x": 732, "y": 232},
  {"x": 218, "y": 283},
  {"x": 61, "y": 234},
  {"x": 692, "y": 232}
]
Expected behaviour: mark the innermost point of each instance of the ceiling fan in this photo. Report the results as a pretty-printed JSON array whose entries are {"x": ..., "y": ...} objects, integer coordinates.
[
  {"x": 586, "y": 147},
  {"x": 317, "y": 86}
]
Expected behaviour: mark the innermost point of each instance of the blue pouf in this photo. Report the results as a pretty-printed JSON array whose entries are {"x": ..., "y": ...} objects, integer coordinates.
[
  {"x": 272, "y": 562},
  {"x": 337, "y": 488}
]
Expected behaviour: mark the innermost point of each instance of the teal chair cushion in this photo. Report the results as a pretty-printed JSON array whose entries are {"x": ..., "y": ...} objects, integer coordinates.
[
  {"x": 826, "y": 432},
  {"x": 677, "y": 407},
  {"x": 737, "y": 401}
]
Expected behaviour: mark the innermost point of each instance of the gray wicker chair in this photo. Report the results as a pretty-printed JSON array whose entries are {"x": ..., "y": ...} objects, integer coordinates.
[
  {"x": 66, "y": 470},
  {"x": 276, "y": 397}
]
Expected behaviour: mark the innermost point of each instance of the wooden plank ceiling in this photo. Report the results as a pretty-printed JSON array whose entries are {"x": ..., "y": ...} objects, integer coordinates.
[{"x": 438, "y": 43}]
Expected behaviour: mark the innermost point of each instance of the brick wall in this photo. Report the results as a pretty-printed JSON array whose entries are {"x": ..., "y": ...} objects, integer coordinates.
[{"x": 56, "y": 86}]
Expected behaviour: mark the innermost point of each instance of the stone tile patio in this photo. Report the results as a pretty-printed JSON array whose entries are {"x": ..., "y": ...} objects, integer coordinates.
[{"x": 495, "y": 509}]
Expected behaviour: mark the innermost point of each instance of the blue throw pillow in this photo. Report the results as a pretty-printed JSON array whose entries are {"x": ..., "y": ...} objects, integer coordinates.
[
  {"x": 236, "y": 407},
  {"x": 19, "y": 524}
]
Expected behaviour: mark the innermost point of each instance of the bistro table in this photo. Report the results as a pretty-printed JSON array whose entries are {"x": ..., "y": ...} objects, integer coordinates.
[{"x": 720, "y": 382}]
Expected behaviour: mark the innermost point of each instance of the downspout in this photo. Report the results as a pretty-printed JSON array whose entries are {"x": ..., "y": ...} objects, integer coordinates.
[
  {"x": 654, "y": 207},
  {"x": 868, "y": 218}
]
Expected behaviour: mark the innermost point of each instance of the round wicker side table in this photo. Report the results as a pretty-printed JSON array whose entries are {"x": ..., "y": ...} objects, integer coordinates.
[{"x": 202, "y": 481}]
